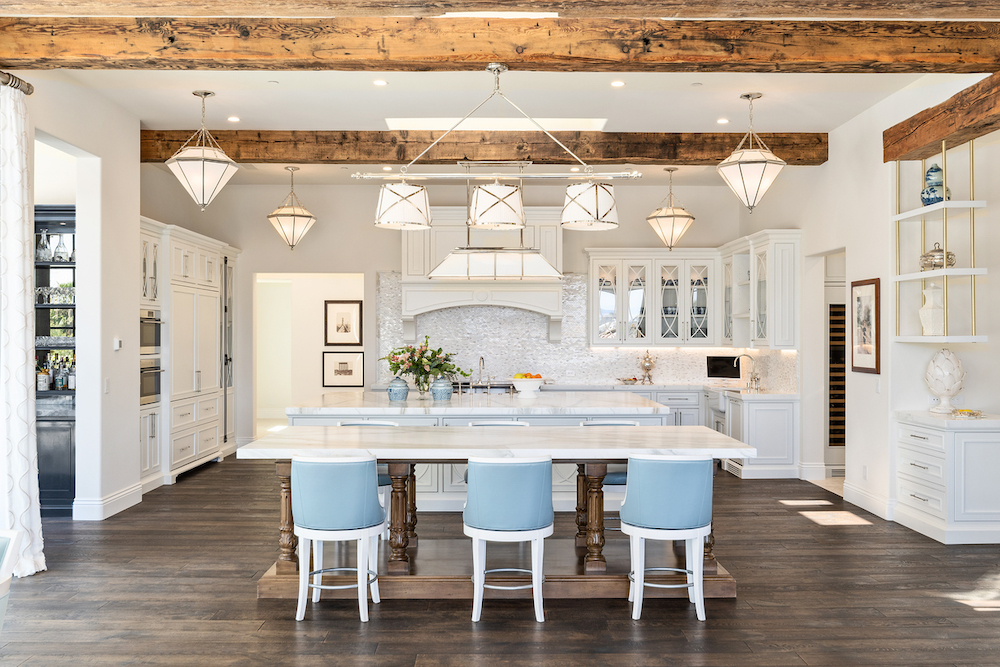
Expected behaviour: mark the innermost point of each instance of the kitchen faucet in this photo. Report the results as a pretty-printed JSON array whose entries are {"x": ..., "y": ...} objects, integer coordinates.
[
  {"x": 482, "y": 365},
  {"x": 753, "y": 383}
]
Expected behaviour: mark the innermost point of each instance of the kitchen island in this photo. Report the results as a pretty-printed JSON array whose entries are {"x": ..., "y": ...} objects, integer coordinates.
[{"x": 585, "y": 574}]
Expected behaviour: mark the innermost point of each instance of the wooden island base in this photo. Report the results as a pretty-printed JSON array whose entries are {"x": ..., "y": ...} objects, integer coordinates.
[{"x": 442, "y": 569}]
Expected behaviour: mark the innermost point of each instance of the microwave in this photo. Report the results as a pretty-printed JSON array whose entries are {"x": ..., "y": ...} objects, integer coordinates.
[
  {"x": 150, "y": 327},
  {"x": 149, "y": 380}
]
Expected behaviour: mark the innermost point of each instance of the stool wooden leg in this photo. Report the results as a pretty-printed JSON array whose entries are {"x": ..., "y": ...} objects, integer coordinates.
[
  {"x": 478, "y": 577},
  {"x": 537, "y": 562},
  {"x": 638, "y": 547},
  {"x": 373, "y": 566},
  {"x": 300, "y": 609},
  {"x": 399, "y": 562},
  {"x": 363, "y": 544},
  {"x": 317, "y": 565}
]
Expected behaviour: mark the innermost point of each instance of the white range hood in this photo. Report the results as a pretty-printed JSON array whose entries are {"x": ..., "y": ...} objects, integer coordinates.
[{"x": 422, "y": 251}]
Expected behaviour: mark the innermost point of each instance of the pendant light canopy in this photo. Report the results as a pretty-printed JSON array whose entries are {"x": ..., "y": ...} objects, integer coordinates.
[
  {"x": 291, "y": 220},
  {"x": 670, "y": 221},
  {"x": 200, "y": 164},
  {"x": 496, "y": 206},
  {"x": 403, "y": 206},
  {"x": 495, "y": 264},
  {"x": 590, "y": 207},
  {"x": 750, "y": 171}
]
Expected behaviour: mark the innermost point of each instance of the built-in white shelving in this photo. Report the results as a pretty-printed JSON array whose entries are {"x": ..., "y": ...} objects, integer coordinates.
[{"x": 924, "y": 211}]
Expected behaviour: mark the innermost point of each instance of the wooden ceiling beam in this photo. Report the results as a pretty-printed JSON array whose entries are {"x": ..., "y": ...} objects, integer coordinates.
[
  {"x": 390, "y": 147},
  {"x": 416, "y": 44},
  {"x": 677, "y": 9},
  {"x": 969, "y": 114}
]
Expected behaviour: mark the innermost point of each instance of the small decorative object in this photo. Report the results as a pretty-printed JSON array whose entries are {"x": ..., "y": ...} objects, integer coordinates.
[
  {"x": 60, "y": 254},
  {"x": 342, "y": 322},
  {"x": 865, "y": 318},
  {"x": 343, "y": 369},
  {"x": 945, "y": 378},
  {"x": 43, "y": 253},
  {"x": 966, "y": 414},
  {"x": 934, "y": 190},
  {"x": 441, "y": 389},
  {"x": 628, "y": 380},
  {"x": 932, "y": 312},
  {"x": 934, "y": 259},
  {"x": 398, "y": 390},
  {"x": 647, "y": 364},
  {"x": 423, "y": 363}
]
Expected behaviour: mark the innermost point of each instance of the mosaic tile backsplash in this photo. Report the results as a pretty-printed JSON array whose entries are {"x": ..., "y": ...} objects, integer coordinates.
[{"x": 511, "y": 340}]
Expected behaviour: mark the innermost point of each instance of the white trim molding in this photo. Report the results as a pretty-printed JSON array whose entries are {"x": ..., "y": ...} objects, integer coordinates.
[{"x": 98, "y": 509}]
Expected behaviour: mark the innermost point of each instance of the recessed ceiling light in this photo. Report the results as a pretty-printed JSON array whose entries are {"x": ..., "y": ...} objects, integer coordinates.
[
  {"x": 380, "y": 82},
  {"x": 574, "y": 169},
  {"x": 386, "y": 168},
  {"x": 617, "y": 84},
  {"x": 722, "y": 121},
  {"x": 233, "y": 119}
]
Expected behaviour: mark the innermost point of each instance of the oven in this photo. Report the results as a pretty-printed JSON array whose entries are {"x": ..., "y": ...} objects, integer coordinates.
[
  {"x": 149, "y": 331},
  {"x": 149, "y": 380}
]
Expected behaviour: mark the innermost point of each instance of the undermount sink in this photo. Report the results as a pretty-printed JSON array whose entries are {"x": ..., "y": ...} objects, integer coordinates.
[{"x": 717, "y": 399}]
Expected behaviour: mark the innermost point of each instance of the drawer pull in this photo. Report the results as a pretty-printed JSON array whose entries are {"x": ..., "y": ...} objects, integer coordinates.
[
  {"x": 919, "y": 466},
  {"x": 923, "y": 500},
  {"x": 184, "y": 449},
  {"x": 209, "y": 439},
  {"x": 918, "y": 437},
  {"x": 184, "y": 414}
]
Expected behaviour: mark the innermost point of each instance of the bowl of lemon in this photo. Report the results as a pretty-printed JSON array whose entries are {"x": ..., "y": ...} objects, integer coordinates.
[{"x": 528, "y": 383}]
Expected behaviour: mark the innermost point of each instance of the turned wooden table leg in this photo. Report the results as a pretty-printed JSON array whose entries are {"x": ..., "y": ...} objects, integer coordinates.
[
  {"x": 594, "y": 562},
  {"x": 411, "y": 507},
  {"x": 399, "y": 562},
  {"x": 581, "y": 505},
  {"x": 287, "y": 542}
]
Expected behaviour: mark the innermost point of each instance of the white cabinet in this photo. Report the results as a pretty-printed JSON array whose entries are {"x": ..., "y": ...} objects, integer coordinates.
[
  {"x": 769, "y": 422},
  {"x": 194, "y": 341},
  {"x": 945, "y": 478},
  {"x": 685, "y": 407},
  {"x": 149, "y": 443},
  {"x": 149, "y": 269},
  {"x": 647, "y": 297},
  {"x": 193, "y": 264}
]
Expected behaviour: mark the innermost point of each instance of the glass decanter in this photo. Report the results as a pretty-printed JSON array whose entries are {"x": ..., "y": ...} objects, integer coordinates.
[
  {"x": 43, "y": 253},
  {"x": 60, "y": 254}
]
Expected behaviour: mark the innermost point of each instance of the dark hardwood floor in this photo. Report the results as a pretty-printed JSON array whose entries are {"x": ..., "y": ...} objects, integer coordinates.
[{"x": 172, "y": 582}]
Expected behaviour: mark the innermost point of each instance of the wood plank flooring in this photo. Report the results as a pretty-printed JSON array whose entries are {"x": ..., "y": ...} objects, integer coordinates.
[{"x": 173, "y": 582}]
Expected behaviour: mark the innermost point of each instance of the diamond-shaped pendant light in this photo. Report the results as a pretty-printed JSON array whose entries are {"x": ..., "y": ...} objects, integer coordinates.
[
  {"x": 291, "y": 220},
  {"x": 200, "y": 164},
  {"x": 670, "y": 221},
  {"x": 750, "y": 171}
]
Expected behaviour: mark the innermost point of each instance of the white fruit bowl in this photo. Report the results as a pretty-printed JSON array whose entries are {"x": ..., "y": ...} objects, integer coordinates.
[{"x": 528, "y": 385}]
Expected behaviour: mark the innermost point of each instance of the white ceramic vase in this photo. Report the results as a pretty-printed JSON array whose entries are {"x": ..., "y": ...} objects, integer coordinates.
[
  {"x": 945, "y": 378},
  {"x": 932, "y": 312}
]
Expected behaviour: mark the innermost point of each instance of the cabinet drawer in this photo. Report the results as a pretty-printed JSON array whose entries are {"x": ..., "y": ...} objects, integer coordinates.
[
  {"x": 678, "y": 398},
  {"x": 182, "y": 448},
  {"x": 208, "y": 408},
  {"x": 921, "y": 497},
  {"x": 183, "y": 414},
  {"x": 208, "y": 439},
  {"x": 925, "y": 437},
  {"x": 921, "y": 465}
]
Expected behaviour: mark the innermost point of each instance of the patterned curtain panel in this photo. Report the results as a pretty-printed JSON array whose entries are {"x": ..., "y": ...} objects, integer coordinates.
[{"x": 19, "y": 506}]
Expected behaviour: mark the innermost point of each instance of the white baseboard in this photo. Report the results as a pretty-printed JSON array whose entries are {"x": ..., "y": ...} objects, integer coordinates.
[
  {"x": 880, "y": 506},
  {"x": 810, "y": 471},
  {"x": 98, "y": 509},
  {"x": 243, "y": 440},
  {"x": 151, "y": 482}
]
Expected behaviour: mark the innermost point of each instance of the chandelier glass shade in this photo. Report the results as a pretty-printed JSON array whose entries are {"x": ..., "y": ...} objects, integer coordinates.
[
  {"x": 670, "y": 221},
  {"x": 496, "y": 206},
  {"x": 291, "y": 220},
  {"x": 403, "y": 206},
  {"x": 495, "y": 264},
  {"x": 200, "y": 164},
  {"x": 750, "y": 171},
  {"x": 590, "y": 207}
]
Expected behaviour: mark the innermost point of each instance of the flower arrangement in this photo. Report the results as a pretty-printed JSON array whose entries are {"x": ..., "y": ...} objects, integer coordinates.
[{"x": 423, "y": 363}]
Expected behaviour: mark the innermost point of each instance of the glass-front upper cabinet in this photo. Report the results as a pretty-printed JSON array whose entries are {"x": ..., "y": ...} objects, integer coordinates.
[
  {"x": 699, "y": 328},
  {"x": 727, "y": 301},
  {"x": 759, "y": 312},
  {"x": 685, "y": 302},
  {"x": 619, "y": 302},
  {"x": 149, "y": 269}
]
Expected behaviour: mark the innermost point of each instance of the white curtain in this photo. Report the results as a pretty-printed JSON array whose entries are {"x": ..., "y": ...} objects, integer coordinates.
[{"x": 19, "y": 506}]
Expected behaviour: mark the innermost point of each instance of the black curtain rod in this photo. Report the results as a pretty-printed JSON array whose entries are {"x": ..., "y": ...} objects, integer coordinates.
[{"x": 16, "y": 83}]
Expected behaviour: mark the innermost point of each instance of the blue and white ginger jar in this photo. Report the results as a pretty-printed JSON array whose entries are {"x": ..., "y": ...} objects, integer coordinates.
[
  {"x": 398, "y": 390},
  {"x": 934, "y": 191},
  {"x": 441, "y": 389}
]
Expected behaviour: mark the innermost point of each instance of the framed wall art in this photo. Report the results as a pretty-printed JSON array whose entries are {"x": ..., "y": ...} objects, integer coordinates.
[
  {"x": 342, "y": 321},
  {"x": 865, "y": 318},
  {"x": 343, "y": 369}
]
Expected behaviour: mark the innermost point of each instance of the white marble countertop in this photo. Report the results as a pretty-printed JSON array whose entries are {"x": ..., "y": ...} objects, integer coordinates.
[
  {"x": 925, "y": 418},
  {"x": 458, "y": 443},
  {"x": 359, "y": 402},
  {"x": 745, "y": 395}
]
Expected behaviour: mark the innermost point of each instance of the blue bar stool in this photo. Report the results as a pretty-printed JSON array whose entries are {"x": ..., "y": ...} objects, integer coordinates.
[
  {"x": 384, "y": 481},
  {"x": 10, "y": 544},
  {"x": 668, "y": 498},
  {"x": 336, "y": 500},
  {"x": 510, "y": 500}
]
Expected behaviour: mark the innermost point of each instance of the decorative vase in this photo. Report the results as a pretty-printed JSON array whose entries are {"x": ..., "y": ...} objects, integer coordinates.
[
  {"x": 932, "y": 312},
  {"x": 422, "y": 383},
  {"x": 945, "y": 378},
  {"x": 398, "y": 390},
  {"x": 441, "y": 389},
  {"x": 934, "y": 190}
]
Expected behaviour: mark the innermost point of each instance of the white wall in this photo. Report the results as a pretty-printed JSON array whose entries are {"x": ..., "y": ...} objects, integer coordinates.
[
  {"x": 273, "y": 354},
  {"x": 105, "y": 140},
  {"x": 54, "y": 174}
]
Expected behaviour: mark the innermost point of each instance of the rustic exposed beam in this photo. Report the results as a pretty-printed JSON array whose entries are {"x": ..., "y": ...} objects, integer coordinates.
[
  {"x": 969, "y": 114},
  {"x": 687, "y": 9},
  {"x": 406, "y": 44},
  {"x": 377, "y": 147}
]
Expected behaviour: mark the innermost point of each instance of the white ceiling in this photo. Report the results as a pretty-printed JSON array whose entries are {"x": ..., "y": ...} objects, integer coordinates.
[{"x": 333, "y": 100}]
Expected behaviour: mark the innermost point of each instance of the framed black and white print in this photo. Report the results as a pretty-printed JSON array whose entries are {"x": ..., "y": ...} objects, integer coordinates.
[
  {"x": 342, "y": 321},
  {"x": 343, "y": 369},
  {"x": 865, "y": 317}
]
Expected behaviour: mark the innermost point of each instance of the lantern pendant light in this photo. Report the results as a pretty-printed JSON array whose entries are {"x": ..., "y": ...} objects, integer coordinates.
[
  {"x": 670, "y": 221},
  {"x": 291, "y": 220},
  {"x": 750, "y": 171},
  {"x": 200, "y": 164},
  {"x": 590, "y": 207}
]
